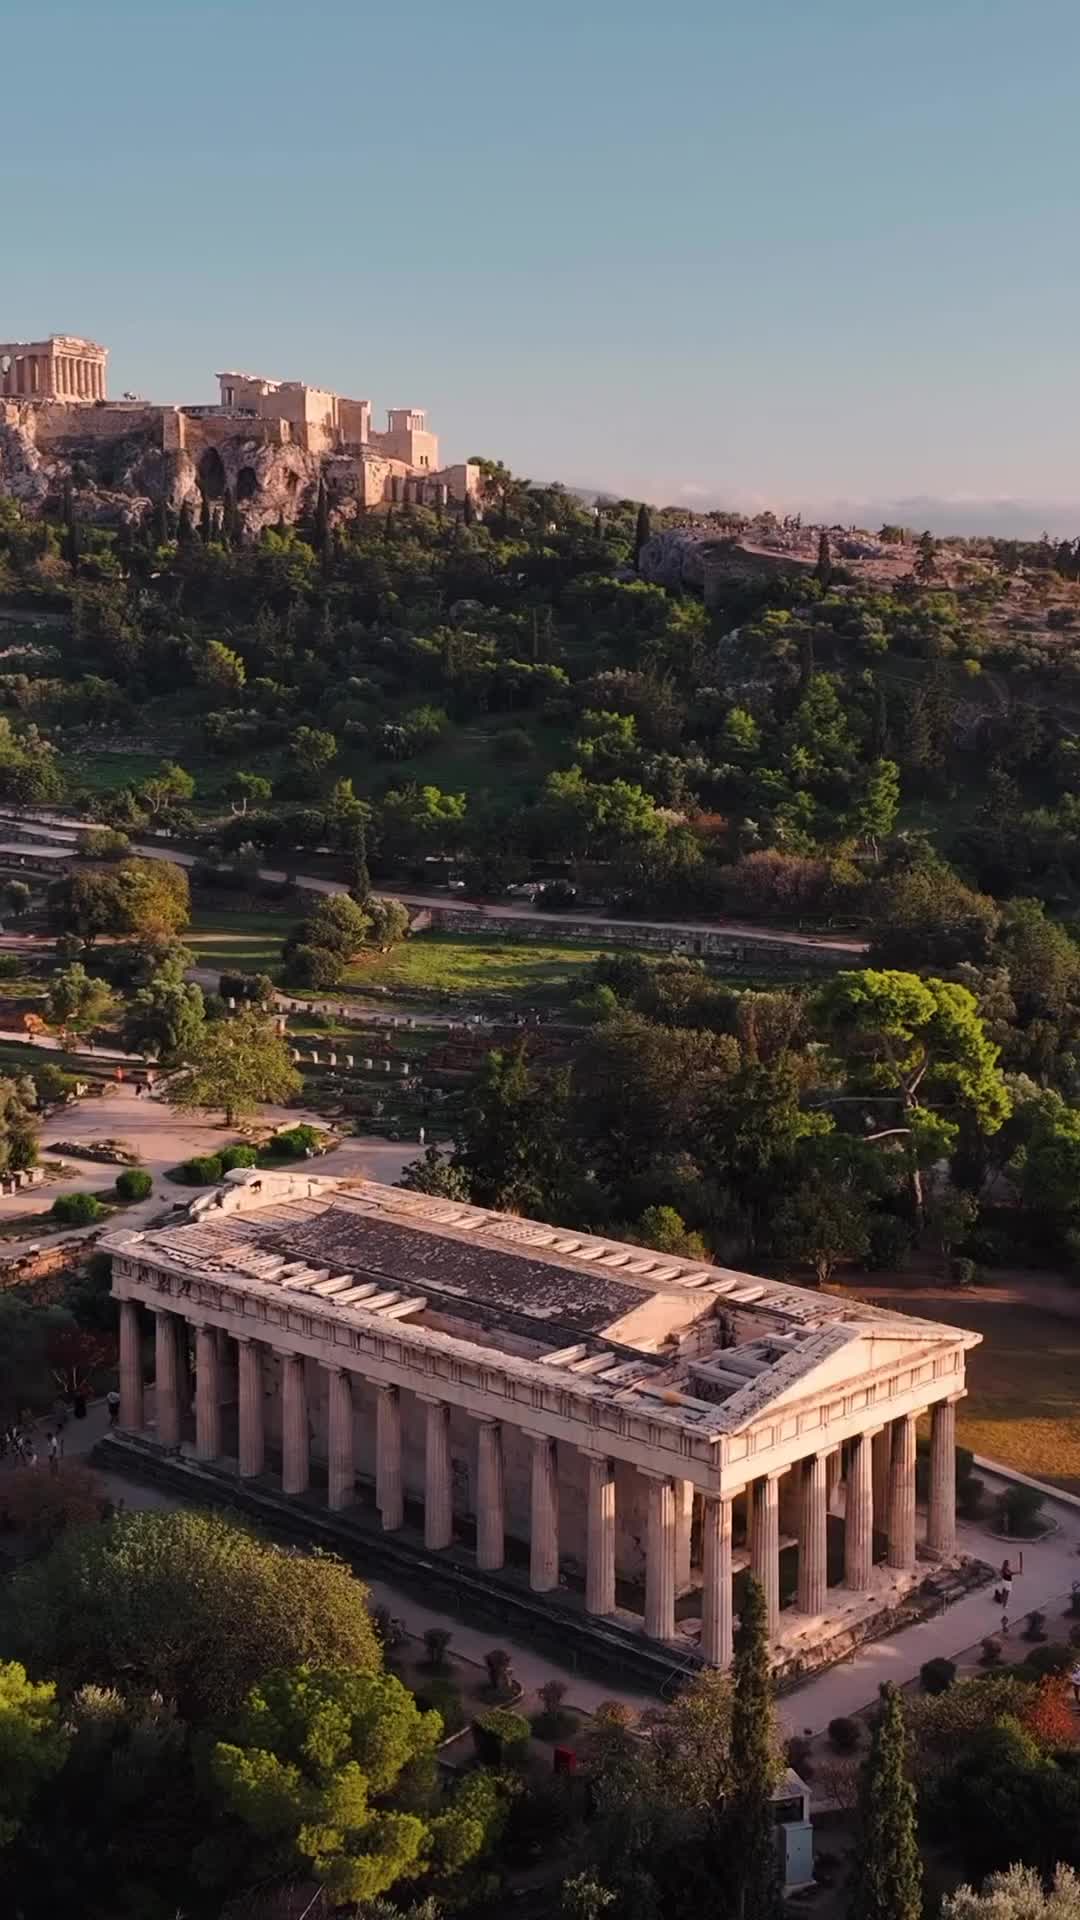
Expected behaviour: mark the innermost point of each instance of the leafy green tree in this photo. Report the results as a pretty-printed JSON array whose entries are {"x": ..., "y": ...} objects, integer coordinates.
[
  {"x": 219, "y": 668},
  {"x": 389, "y": 921},
  {"x": 238, "y": 1064},
  {"x": 667, "y": 1231},
  {"x": 25, "y": 1336},
  {"x": 149, "y": 899},
  {"x": 312, "y": 750},
  {"x": 307, "y": 1770},
  {"x": 32, "y": 1744},
  {"x": 513, "y": 1148},
  {"x": 188, "y": 1605},
  {"x": 435, "y": 1172},
  {"x": 747, "y": 1827},
  {"x": 926, "y": 567},
  {"x": 165, "y": 1020},
  {"x": 887, "y": 1877},
  {"x": 248, "y": 790},
  {"x": 171, "y": 786},
  {"x": 415, "y": 821},
  {"x": 925, "y": 916},
  {"x": 917, "y": 1047},
  {"x": 77, "y": 999},
  {"x": 821, "y": 1223}
]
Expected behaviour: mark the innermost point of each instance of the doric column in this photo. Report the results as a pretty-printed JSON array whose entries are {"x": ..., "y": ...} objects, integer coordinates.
[
  {"x": 881, "y": 1480},
  {"x": 859, "y": 1515},
  {"x": 131, "y": 1387},
  {"x": 660, "y": 1560},
  {"x": 438, "y": 1480},
  {"x": 341, "y": 1470},
  {"x": 716, "y": 1606},
  {"x": 295, "y": 1461},
  {"x": 813, "y": 1536},
  {"x": 389, "y": 1494},
  {"x": 490, "y": 1527},
  {"x": 207, "y": 1395},
  {"x": 252, "y": 1422},
  {"x": 902, "y": 1492},
  {"x": 544, "y": 1520},
  {"x": 941, "y": 1519},
  {"x": 167, "y": 1379},
  {"x": 833, "y": 1467},
  {"x": 684, "y": 1530},
  {"x": 600, "y": 1542},
  {"x": 765, "y": 1545}
]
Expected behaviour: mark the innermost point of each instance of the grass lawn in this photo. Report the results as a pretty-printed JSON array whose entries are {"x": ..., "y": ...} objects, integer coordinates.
[
  {"x": 1023, "y": 1403},
  {"x": 237, "y": 942},
  {"x": 533, "y": 972}
]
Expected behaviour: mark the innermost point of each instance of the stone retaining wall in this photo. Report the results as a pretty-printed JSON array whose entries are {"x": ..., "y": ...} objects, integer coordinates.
[{"x": 733, "y": 953}]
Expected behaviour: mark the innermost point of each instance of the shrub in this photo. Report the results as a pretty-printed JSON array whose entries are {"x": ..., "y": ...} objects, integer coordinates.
[
  {"x": 436, "y": 1641},
  {"x": 500, "y": 1736},
  {"x": 991, "y": 1652},
  {"x": 500, "y": 1671},
  {"x": 443, "y": 1695},
  {"x": 1018, "y": 1510},
  {"x": 390, "y": 1630},
  {"x": 11, "y": 965},
  {"x": 293, "y": 1143},
  {"x": 134, "y": 1184},
  {"x": 42, "y": 1506},
  {"x": 553, "y": 1693},
  {"x": 962, "y": 1271},
  {"x": 52, "y": 1084},
  {"x": 937, "y": 1675},
  {"x": 1053, "y": 1658},
  {"x": 844, "y": 1733},
  {"x": 234, "y": 1157},
  {"x": 888, "y": 1243},
  {"x": 203, "y": 1170},
  {"x": 1036, "y": 1625},
  {"x": 799, "y": 1755},
  {"x": 77, "y": 1209}
]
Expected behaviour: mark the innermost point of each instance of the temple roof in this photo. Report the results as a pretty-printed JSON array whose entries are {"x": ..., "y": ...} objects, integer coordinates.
[{"x": 711, "y": 1346}]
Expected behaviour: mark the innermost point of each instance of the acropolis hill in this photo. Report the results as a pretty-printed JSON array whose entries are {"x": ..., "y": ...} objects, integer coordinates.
[{"x": 267, "y": 443}]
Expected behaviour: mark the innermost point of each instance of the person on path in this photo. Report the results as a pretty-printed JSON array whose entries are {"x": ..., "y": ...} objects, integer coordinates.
[
  {"x": 54, "y": 1453},
  {"x": 112, "y": 1401}
]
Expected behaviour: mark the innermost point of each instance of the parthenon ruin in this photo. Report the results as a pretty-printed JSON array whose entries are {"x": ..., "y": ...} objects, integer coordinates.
[
  {"x": 644, "y": 1427},
  {"x": 62, "y": 368}
]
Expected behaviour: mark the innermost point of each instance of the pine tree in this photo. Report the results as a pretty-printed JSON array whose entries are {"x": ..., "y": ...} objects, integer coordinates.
[
  {"x": 887, "y": 1882},
  {"x": 748, "y": 1822},
  {"x": 642, "y": 532},
  {"x": 468, "y": 510},
  {"x": 206, "y": 526},
  {"x": 823, "y": 570}
]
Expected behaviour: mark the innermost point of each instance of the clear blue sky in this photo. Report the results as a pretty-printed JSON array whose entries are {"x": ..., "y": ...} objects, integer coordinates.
[{"x": 800, "y": 250}]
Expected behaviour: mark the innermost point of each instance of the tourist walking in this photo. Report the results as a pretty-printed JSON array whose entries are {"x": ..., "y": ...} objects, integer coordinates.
[
  {"x": 112, "y": 1401},
  {"x": 54, "y": 1453}
]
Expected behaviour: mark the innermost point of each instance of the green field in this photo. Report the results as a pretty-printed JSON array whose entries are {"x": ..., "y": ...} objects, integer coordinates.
[{"x": 479, "y": 967}]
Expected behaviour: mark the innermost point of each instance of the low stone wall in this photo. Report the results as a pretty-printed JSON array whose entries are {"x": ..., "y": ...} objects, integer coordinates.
[{"x": 731, "y": 952}]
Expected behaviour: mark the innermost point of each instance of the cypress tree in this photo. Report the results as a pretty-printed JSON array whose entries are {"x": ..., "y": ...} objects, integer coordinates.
[
  {"x": 887, "y": 1883},
  {"x": 359, "y": 877},
  {"x": 70, "y": 544},
  {"x": 823, "y": 570},
  {"x": 925, "y": 558},
  {"x": 468, "y": 510},
  {"x": 206, "y": 527},
  {"x": 642, "y": 532},
  {"x": 749, "y": 1822},
  {"x": 321, "y": 540},
  {"x": 161, "y": 521}
]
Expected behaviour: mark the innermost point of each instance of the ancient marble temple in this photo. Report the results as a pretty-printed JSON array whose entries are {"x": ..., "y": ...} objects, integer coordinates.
[{"x": 646, "y": 1425}]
